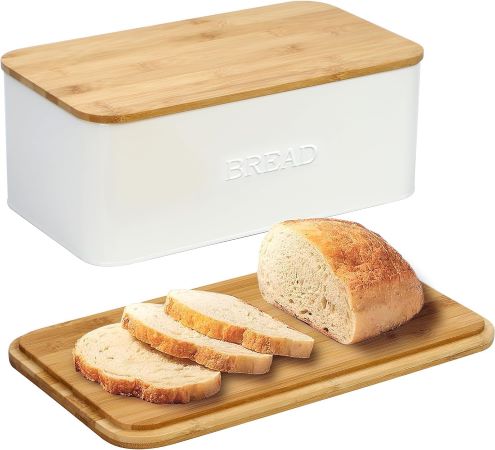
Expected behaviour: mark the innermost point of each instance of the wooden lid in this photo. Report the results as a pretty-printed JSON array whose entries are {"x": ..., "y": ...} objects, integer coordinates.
[{"x": 164, "y": 69}]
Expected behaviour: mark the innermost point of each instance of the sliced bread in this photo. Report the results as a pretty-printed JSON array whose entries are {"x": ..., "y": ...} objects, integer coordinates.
[
  {"x": 339, "y": 277},
  {"x": 123, "y": 365},
  {"x": 149, "y": 323},
  {"x": 225, "y": 317}
]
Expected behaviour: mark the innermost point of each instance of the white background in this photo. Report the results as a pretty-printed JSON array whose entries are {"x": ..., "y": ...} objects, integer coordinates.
[{"x": 446, "y": 231}]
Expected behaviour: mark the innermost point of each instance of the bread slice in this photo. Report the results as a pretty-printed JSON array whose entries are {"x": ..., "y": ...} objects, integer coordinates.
[
  {"x": 339, "y": 277},
  {"x": 149, "y": 323},
  {"x": 225, "y": 317},
  {"x": 122, "y": 365}
]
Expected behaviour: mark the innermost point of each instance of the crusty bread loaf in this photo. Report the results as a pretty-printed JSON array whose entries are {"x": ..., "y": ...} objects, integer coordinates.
[
  {"x": 225, "y": 317},
  {"x": 149, "y": 323},
  {"x": 339, "y": 277},
  {"x": 122, "y": 365}
]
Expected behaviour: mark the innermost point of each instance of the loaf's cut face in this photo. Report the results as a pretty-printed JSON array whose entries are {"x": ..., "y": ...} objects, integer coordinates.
[
  {"x": 339, "y": 277},
  {"x": 123, "y": 365},
  {"x": 150, "y": 324}
]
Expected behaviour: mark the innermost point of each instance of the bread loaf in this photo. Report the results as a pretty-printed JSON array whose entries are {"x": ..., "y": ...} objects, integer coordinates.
[
  {"x": 339, "y": 277},
  {"x": 149, "y": 323},
  {"x": 122, "y": 365},
  {"x": 225, "y": 317}
]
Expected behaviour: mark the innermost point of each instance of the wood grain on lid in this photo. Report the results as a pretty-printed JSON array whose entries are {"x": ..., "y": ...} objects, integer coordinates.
[{"x": 168, "y": 68}]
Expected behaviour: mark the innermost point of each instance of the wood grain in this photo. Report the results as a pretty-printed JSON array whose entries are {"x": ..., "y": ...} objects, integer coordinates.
[
  {"x": 168, "y": 68},
  {"x": 443, "y": 331}
]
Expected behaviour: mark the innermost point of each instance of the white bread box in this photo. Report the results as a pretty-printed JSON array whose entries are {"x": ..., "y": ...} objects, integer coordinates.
[{"x": 142, "y": 143}]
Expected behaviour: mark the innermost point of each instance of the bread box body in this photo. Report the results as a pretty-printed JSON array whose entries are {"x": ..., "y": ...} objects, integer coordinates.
[{"x": 138, "y": 144}]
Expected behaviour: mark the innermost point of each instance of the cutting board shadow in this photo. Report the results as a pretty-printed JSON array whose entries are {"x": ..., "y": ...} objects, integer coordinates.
[{"x": 444, "y": 330}]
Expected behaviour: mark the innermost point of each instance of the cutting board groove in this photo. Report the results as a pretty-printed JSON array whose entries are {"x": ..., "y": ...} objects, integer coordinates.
[{"x": 444, "y": 330}]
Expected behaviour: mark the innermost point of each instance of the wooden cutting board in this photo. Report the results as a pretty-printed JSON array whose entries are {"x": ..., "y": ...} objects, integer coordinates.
[
  {"x": 444, "y": 330},
  {"x": 174, "y": 67}
]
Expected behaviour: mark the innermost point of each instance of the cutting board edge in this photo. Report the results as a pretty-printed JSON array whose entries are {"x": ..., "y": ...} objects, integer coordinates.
[{"x": 214, "y": 421}]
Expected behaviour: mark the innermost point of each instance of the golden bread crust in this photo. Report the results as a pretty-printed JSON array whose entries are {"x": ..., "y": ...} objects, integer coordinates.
[
  {"x": 205, "y": 356},
  {"x": 383, "y": 290},
  {"x": 146, "y": 391},
  {"x": 250, "y": 339}
]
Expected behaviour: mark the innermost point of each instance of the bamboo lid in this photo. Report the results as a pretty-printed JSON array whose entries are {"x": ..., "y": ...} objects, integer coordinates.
[{"x": 163, "y": 69}]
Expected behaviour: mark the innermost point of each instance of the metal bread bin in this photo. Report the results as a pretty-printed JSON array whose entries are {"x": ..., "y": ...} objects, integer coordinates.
[{"x": 141, "y": 143}]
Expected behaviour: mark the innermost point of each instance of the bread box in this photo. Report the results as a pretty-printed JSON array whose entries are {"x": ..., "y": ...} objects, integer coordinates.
[{"x": 141, "y": 143}]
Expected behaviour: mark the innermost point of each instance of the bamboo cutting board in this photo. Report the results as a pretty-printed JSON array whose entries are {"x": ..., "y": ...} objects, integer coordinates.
[
  {"x": 444, "y": 330},
  {"x": 173, "y": 67}
]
